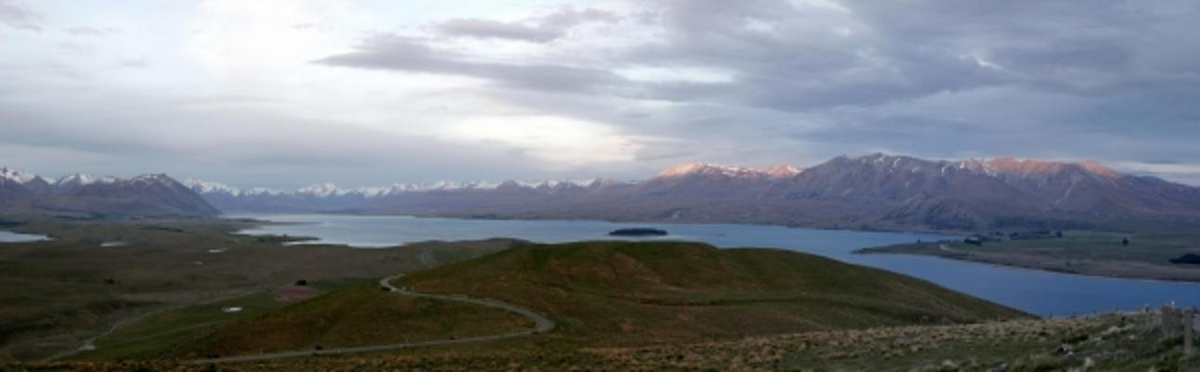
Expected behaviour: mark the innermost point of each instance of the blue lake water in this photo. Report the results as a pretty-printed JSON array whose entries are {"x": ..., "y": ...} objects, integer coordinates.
[
  {"x": 1037, "y": 292},
  {"x": 12, "y": 237}
]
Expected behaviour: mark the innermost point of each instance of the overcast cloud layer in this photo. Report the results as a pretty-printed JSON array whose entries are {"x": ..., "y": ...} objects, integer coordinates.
[{"x": 286, "y": 93}]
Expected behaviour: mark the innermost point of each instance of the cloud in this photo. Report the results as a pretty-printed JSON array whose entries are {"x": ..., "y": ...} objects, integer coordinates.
[
  {"x": 483, "y": 28},
  {"x": 391, "y": 52},
  {"x": 16, "y": 14},
  {"x": 240, "y": 145},
  {"x": 134, "y": 63},
  {"x": 540, "y": 29},
  {"x": 89, "y": 31},
  {"x": 633, "y": 85},
  {"x": 1187, "y": 173}
]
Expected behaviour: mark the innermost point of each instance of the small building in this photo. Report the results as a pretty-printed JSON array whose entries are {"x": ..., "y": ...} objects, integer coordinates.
[{"x": 973, "y": 241}]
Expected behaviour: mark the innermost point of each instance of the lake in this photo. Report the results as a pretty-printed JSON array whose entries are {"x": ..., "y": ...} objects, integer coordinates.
[
  {"x": 1038, "y": 292},
  {"x": 12, "y": 237}
]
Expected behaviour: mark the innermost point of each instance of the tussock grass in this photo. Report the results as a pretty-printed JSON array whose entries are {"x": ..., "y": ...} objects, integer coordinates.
[{"x": 625, "y": 293}]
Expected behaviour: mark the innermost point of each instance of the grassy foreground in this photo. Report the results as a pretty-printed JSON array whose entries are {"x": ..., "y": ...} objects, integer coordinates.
[
  {"x": 600, "y": 293},
  {"x": 624, "y": 293},
  {"x": 673, "y": 306},
  {"x": 56, "y": 294},
  {"x": 1118, "y": 342}
]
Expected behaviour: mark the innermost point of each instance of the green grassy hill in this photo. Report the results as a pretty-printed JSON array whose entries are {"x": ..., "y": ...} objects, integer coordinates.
[
  {"x": 601, "y": 294},
  {"x": 642, "y": 293},
  {"x": 358, "y": 316}
]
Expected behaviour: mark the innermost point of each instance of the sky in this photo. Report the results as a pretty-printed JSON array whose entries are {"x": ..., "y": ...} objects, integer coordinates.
[{"x": 285, "y": 93}]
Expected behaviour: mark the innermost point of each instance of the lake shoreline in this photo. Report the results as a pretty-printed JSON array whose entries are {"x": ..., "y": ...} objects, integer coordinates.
[
  {"x": 1034, "y": 291},
  {"x": 825, "y": 227},
  {"x": 1081, "y": 267}
]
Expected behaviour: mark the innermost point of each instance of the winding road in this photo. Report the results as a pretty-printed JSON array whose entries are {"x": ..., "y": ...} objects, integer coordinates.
[
  {"x": 542, "y": 325},
  {"x": 90, "y": 342}
]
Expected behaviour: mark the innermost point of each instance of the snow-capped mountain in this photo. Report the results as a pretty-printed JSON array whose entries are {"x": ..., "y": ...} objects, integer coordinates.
[
  {"x": 209, "y": 187},
  {"x": 144, "y": 195},
  {"x": 876, "y": 191},
  {"x": 329, "y": 197},
  {"x": 328, "y": 190},
  {"x": 80, "y": 179},
  {"x": 13, "y": 175},
  {"x": 705, "y": 169}
]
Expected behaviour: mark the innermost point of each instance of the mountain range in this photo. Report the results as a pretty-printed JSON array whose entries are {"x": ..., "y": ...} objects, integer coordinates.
[
  {"x": 878, "y": 192},
  {"x": 149, "y": 195},
  {"x": 867, "y": 192}
]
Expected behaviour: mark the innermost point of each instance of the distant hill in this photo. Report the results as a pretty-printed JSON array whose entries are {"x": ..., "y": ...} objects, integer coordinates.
[
  {"x": 79, "y": 194},
  {"x": 868, "y": 192},
  {"x": 624, "y": 292}
]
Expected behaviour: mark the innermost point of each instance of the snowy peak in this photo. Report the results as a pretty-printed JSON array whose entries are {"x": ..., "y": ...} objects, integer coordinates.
[
  {"x": 75, "y": 180},
  {"x": 1099, "y": 169},
  {"x": 331, "y": 190},
  {"x": 16, "y": 176},
  {"x": 1031, "y": 168},
  {"x": 783, "y": 171},
  {"x": 80, "y": 179},
  {"x": 209, "y": 187},
  {"x": 683, "y": 170},
  {"x": 144, "y": 195},
  {"x": 993, "y": 167},
  {"x": 887, "y": 162},
  {"x": 154, "y": 179},
  {"x": 705, "y": 169},
  {"x": 1022, "y": 167},
  {"x": 321, "y": 190},
  {"x": 680, "y": 170}
]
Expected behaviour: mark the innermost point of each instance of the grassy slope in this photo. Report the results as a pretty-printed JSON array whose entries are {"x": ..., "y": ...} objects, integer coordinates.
[
  {"x": 362, "y": 315},
  {"x": 651, "y": 281},
  {"x": 162, "y": 334},
  {"x": 53, "y": 294},
  {"x": 640, "y": 293},
  {"x": 1129, "y": 342},
  {"x": 357, "y": 315},
  {"x": 1080, "y": 252}
]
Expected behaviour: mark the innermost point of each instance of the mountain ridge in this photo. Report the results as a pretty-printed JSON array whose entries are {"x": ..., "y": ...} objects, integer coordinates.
[
  {"x": 876, "y": 191},
  {"x": 155, "y": 195}
]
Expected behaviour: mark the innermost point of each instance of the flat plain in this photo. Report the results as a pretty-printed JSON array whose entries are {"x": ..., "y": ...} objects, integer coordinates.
[{"x": 1146, "y": 256}]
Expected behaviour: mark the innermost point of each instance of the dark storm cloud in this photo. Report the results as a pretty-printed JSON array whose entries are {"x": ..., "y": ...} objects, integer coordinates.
[
  {"x": 798, "y": 58},
  {"x": 17, "y": 15},
  {"x": 540, "y": 29},
  {"x": 792, "y": 65},
  {"x": 1091, "y": 47},
  {"x": 1111, "y": 80}
]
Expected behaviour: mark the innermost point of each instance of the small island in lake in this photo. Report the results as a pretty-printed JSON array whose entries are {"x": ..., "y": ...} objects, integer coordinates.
[{"x": 638, "y": 231}]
